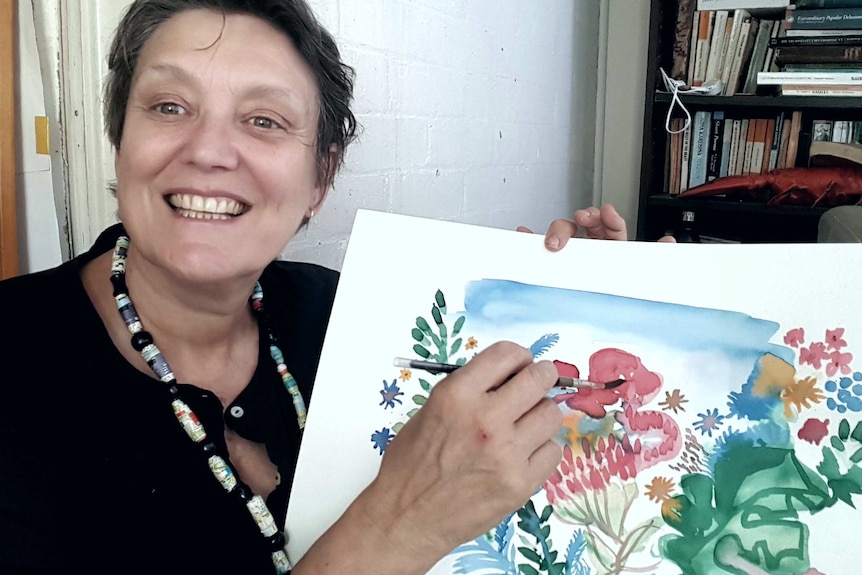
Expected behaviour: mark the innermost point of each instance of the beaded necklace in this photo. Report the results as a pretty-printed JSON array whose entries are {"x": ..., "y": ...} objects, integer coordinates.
[{"x": 142, "y": 341}]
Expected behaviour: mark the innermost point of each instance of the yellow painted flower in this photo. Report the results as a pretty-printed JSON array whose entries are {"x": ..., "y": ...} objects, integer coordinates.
[
  {"x": 405, "y": 374},
  {"x": 471, "y": 343},
  {"x": 800, "y": 394}
]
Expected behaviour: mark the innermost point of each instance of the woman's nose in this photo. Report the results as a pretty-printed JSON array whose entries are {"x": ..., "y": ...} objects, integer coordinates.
[{"x": 211, "y": 143}]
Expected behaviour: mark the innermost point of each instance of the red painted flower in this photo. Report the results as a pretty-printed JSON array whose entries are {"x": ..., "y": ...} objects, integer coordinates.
[
  {"x": 838, "y": 362},
  {"x": 834, "y": 338},
  {"x": 813, "y": 355},
  {"x": 795, "y": 337},
  {"x": 814, "y": 430}
]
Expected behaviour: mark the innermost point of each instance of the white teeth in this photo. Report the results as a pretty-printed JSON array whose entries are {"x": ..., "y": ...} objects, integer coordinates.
[{"x": 205, "y": 208}]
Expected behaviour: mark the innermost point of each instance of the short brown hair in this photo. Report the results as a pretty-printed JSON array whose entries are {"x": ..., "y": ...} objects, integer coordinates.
[{"x": 336, "y": 125}]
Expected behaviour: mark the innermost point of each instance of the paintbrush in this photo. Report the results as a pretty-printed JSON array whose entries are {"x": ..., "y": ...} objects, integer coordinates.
[{"x": 435, "y": 368}]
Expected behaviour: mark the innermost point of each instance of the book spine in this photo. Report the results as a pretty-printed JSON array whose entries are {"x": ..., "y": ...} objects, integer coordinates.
[
  {"x": 785, "y": 139},
  {"x": 793, "y": 140},
  {"x": 824, "y": 19},
  {"x": 715, "y": 46},
  {"x": 682, "y": 39},
  {"x": 704, "y": 33},
  {"x": 776, "y": 141},
  {"x": 699, "y": 145},
  {"x": 781, "y": 41},
  {"x": 757, "y": 146},
  {"x": 716, "y": 137},
  {"x": 755, "y": 65},
  {"x": 743, "y": 139},
  {"x": 692, "y": 49},
  {"x": 819, "y": 91},
  {"x": 734, "y": 148},
  {"x": 730, "y": 49},
  {"x": 806, "y": 4},
  {"x": 749, "y": 143},
  {"x": 819, "y": 55},
  {"x": 743, "y": 51},
  {"x": 685, "y": 159},
  {"x": 727, "y": 137},
  {"x": 811, "y": 77}
]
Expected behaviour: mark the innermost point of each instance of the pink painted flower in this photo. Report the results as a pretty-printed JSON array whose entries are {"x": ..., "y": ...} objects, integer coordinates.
[
  {"x": 834, "y": 338},
  {"x": 813, "y": 355},
  {"x": 795, "y": 337},
  {"x": 838, "y": 361}
]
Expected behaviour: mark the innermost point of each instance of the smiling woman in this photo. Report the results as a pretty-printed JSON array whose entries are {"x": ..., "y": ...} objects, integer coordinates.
[{"x": 198, "y": 349}]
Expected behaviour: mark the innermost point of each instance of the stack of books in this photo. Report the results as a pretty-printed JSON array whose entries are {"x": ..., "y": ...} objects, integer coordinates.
[
  {"x": 721, "y": 44},
  {"x": 818, "y": 51}
]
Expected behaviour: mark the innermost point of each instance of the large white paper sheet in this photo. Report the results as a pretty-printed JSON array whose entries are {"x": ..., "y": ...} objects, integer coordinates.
[{"x": 733, "y": 447}]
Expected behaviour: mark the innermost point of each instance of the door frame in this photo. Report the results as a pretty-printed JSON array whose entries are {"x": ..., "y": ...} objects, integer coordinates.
[{"x": 8, "y": 187}]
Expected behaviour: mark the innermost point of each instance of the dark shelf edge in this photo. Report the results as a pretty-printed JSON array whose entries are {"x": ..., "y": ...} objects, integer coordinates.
[
  {"x": 795, "y": 102},
  {"x": 726, "y": 205}
]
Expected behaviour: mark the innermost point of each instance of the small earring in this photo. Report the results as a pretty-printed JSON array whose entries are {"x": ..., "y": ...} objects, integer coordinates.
[{"x": 311, "y": 215}]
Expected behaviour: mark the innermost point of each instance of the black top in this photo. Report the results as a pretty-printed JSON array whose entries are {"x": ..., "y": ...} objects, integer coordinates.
[{"x": 96, "y": 474}]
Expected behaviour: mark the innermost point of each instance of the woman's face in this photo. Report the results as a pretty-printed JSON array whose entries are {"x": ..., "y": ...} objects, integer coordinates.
[{"x": 216, "y": 167}]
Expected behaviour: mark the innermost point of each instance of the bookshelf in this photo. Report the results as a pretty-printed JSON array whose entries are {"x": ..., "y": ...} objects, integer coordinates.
[{"x": 730, "y": 219}]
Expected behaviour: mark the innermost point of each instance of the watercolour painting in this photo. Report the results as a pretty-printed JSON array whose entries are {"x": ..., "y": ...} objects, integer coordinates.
[{"x": 733, "y": 447}]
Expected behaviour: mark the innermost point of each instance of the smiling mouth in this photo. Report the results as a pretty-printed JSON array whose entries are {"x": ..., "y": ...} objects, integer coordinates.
[{"x": 206, "y": 208}]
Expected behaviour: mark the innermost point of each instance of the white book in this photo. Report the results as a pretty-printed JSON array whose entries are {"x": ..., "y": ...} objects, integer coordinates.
[
  {"x": 716, "y": 44},
  {"x": 692, "y": 50},
  {"x": 770, "y": 51},
  {"x": 726, "y": 139},
  {"x": 734, "y": 4},
  {"x": 730, "y": 48},
  {"x": 790, "y": 33},
  {"x": 820, "y": 92},
  {"x": 704, "y": 34},
  {"x": 810, "y": 77},
  {"x": 699, "y": 148}
]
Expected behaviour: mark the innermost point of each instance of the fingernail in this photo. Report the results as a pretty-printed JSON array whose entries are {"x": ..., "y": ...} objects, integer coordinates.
[{"x": 553, "y": 242}]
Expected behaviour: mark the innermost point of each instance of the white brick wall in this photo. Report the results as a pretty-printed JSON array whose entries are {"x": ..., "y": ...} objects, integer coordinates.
[{"x": 480, "y": 111}]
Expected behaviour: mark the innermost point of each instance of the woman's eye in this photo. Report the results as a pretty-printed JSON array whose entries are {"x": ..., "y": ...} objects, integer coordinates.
[
  {"x": 261, "y": 122},
  {"x": 170, "y": 109}
]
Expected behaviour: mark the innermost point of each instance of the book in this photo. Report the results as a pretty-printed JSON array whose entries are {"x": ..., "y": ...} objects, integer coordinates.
[
  {"x": 699, "y": 148},
  {"x": 758, "y": 55},
  {"x": 742, "y": 147},
  {"x": 758, "y": 145},
  {"x": 848, "y": 78},
  {"x": 821, "y": 130},
  {"x": 746, "y": 4},
  {"x": 692, "y": 50},
  {"x": 685, "y": 159},
  {"x": 818, "y": 55},
  {"x": 749, "y": 146},
  {"x": 769, "y": 60},
  {"x": 744, "y": 47},
  {"x": 715, "y": 146},
  {"x": 726, "y": 139},
  {"x": 820, "y": 90},
  {"x": 817, "y": 40},
  {"x": 730, "y": 48},
  {"x": 826, "y": 32},
  {"x": 734, "y": 148},
  {"x": 793, "y": 139},
  {"x": 777, "y": 125},
  {"x": 805, "y": 4},
  {"x": 716, "y": 45},
  {"x": 701, "y": 55},
  {"x": 675, "y": 149},
  {"x": 682, "y": 39},
  {"x": 785, "y": 140},
  {"x": 824, "y": 18}
]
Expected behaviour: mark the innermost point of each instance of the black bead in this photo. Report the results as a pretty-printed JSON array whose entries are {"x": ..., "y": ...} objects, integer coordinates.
[
  {"x": 141, "y": 340},
  {"x": 173, "y": 389},
  {"x": 277, "y": 541},
  {"x": 209, "y": 448},
  {"x": 119, "y": 283},
  {"x": 245, "y": 494}
]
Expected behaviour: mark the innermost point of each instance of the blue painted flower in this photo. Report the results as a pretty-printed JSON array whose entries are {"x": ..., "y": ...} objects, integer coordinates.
[
  {"x": 390, "y": 393},
  {"x": 381, "y": 439},
  {"x": 709, "y": 422}
]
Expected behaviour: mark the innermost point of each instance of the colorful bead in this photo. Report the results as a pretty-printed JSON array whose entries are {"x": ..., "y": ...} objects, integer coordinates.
[
  {"x": 281, "y": 562},
  {"x": 262, "y": 516},
  {"x": 222, "y": 472},
  {"x": 189, "y": 420}
]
